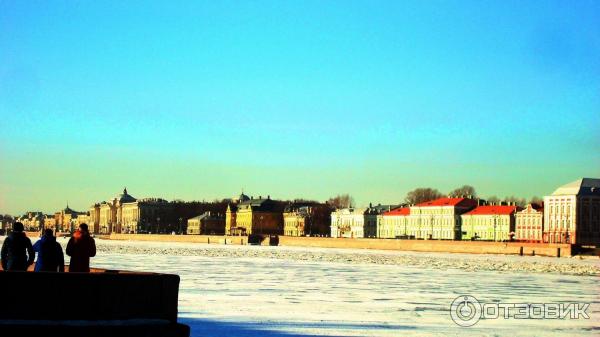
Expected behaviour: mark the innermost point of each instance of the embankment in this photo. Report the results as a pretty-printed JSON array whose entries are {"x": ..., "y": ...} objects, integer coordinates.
[{"x": 472, "y": 247}]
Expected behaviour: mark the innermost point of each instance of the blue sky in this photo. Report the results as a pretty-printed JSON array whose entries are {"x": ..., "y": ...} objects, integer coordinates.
[{"x": 196, "y": 100}]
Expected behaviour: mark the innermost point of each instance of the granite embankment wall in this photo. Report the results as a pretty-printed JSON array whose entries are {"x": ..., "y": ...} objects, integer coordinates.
[{"x": 473, "y": 247}]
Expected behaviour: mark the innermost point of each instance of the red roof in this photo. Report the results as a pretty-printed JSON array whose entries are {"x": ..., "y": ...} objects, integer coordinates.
[
  {"x": 448, "y": 202},
  {"x": 491, "y": 210},
  {"x": 398, "y": 211}
]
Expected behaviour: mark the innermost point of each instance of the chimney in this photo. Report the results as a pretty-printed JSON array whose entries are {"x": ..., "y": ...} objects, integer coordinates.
[{"x": 269, "y": 197}]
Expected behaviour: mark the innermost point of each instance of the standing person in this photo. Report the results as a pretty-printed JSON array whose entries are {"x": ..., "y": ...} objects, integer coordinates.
[
  {"x": 80, "y": 248},
  {"x": 17, "y": 252},
  {"x": 50, "y": 254}
]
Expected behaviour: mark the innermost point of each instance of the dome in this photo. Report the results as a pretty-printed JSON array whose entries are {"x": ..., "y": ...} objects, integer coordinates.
[{"x": 125, "y": 197}]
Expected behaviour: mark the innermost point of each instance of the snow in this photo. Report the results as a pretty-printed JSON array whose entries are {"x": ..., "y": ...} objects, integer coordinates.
[{"x": 292, "y": 291}]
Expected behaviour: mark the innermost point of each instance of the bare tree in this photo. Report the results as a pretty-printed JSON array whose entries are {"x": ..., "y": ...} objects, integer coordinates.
[
  {"x": 493, "y": 200},
  {"x": 516, "y": 200},
  {"x": 464, "y": 191},
  {"x": 536, "y": 200},
  {"x": 422, "y": 194},
  {"x": 341, "y": 201}
]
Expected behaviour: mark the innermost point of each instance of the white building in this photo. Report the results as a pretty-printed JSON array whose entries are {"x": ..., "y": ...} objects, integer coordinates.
[
  {"x": 572, "y": 213},
  {"x": 350, "y": 222}
]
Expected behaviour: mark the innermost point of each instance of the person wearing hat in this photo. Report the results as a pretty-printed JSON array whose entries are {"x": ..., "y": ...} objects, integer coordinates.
[
  {"x": 49, "y": 253},
  {"x": 17, "y": 252}
]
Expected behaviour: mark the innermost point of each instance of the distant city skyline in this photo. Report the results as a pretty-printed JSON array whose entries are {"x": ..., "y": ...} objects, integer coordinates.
[{"x": 197, "y": 100}]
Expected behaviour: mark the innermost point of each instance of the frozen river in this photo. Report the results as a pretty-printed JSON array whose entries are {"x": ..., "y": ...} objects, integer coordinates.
[{"x": 278, "y": 291}]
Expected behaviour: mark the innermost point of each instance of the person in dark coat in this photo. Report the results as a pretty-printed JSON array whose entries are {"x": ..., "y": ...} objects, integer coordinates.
[
  {"x": 17, "y": 252},
  {"x": 49, "y": 253},
  {"x": 80, "y": 248}
]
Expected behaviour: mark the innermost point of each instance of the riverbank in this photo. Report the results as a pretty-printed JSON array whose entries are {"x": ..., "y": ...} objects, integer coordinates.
[
  {"x": 350, "y": 256},
  {"x": 442, "y": 246}
]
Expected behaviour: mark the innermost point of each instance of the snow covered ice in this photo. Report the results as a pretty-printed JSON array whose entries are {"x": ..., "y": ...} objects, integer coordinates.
[{"x": 292, "y": 291}]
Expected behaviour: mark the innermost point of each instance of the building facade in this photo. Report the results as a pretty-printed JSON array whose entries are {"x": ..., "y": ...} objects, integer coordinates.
[
  {"x": 529, "y": 223},
  {"x": 296, "y": 220},
  {"x": 206, "y": 224},
  {"x": 258, "y": 216},
  {"x": 94, "y": 219},
  {"x": 140, "y": 215},
  {"x": 489, "y": 223},
  {"x": 438, "y": 219},
  {"x": 394, "y": 224},
  {"x": 572, "y": 213},
  {"x": 230, "y": 215},
  {"x": 353, "y": 222},
  {"x": 307, "y": 218}
]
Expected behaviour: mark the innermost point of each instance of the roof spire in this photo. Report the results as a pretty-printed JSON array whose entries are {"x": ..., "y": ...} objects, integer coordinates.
[{"x": 125, "y": 190}]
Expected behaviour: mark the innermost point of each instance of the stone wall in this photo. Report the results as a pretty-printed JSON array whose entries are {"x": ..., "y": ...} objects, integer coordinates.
[
  {"x": 473, "y": 247},
  {"x": 216, "y": 239}
]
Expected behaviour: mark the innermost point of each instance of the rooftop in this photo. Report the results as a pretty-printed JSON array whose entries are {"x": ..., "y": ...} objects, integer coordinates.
[
  {"x": 398, "y": 211},
  {"x": 492, "y": 210},
  {"x": 448, "y": 202},
  {"x": 583, "y": 186}
]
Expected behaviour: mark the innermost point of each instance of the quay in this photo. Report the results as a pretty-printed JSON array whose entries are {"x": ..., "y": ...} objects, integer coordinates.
[{"x": 447, "y": 246}]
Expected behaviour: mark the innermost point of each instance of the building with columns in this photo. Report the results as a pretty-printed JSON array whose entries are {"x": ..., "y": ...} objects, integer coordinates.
[
  {"x": 438, "y": 219},
  {"x": 94, "y": 218},
  {"x": 529, "y": 223},
  {"x": 489, "y": 223},
  {"x": 572, "y": 213}
]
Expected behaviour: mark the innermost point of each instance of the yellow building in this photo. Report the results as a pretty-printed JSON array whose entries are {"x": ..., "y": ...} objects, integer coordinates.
[
  {"x": 295, "y": 220},
  {"x": 94, "y": 219},
  {"x": 394, "y": 224},
  {"x": 438, "y": 219},
  {"x": 65, "y": 220},
  {"x": 258, "y": 216},
  {"x": 230, "y": 214},
  {"x": 138, "y": 215},
  {"x": 489, "y": 223}
]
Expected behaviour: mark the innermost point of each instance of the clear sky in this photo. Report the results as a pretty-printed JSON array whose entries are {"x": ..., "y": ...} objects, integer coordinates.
[{"x": 197, "y": 100}]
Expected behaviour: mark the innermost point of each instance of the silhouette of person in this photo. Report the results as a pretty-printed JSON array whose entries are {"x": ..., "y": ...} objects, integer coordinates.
[
  {"x": 80, "y": 248},
  {"x": 17, "y": 252},
  {"x": 50, "y": 254}
]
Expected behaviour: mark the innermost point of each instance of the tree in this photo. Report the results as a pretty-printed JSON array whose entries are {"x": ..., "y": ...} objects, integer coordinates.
[
  {"x": 515, "y": 200},
  {"x": 493, "y": 200},
  {"x": 464, "y": 191},
  {"x": 536, "y": 200},
  {"x": 422, "y": 194},
  {"x": 341, "y": 201}
]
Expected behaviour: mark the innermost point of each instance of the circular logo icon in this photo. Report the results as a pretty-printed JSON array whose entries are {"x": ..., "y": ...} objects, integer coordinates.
[{"x": 465, "y": 310}]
